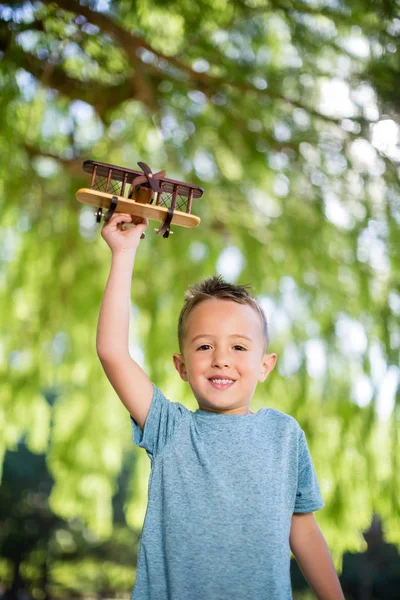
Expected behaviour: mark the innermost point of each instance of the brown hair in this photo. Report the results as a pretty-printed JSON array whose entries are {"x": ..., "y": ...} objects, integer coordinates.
[{"x": 216, "y": 287}]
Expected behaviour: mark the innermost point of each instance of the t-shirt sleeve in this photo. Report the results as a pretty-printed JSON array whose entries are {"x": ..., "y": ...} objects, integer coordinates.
[
  {"x": 308, "y": 496},
  {"x": 162, "y": 421}
]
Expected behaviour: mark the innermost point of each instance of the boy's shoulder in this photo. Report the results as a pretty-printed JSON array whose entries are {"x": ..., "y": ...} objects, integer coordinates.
[{"x": 283, "y": 419}]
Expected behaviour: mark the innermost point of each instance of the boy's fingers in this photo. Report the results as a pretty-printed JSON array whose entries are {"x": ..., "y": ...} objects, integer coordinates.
[
  {"x": 143, "y": 227},
  {"x": 144, "y": 223},
  {"x": 123, "y": 223},
  {"x": 119, "y": 218},
  {"x": 125, "y": 218},
  {"x": 140, "y": 226}
]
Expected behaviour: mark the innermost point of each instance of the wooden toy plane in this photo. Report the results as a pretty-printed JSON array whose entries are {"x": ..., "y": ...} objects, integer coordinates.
[{"x": 140, "y": 194}]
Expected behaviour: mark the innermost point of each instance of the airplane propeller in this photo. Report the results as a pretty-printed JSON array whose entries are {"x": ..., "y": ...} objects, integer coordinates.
[{"x": 149, "y": 178}]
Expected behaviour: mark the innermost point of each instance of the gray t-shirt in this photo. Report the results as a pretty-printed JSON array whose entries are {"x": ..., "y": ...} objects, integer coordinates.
[{"x": 222, "y": 492}]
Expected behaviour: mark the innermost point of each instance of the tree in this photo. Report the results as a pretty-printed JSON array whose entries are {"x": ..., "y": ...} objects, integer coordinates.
[
  {"x": 45, "y": 556},
  {"x": 302, "y": 200}
]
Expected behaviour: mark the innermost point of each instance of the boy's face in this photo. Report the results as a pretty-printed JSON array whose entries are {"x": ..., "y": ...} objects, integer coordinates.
[{"x": 223, "y": 355}]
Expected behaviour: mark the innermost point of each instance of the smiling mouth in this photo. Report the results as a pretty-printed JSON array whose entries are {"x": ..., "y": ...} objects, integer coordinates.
[{"x": 220, "y": 383}]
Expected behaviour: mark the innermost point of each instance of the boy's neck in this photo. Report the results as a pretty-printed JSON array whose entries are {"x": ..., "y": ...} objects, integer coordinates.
[{"x": 234, "y": 411}]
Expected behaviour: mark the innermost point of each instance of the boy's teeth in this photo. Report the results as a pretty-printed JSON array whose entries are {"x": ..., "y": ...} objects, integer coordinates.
[{"x": 222, "y": 380}]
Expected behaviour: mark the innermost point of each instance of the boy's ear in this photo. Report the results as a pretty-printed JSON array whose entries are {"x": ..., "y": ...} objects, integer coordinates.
[
  {"x": 180, "y": 366},
  {"x": 268, "y": 363}
]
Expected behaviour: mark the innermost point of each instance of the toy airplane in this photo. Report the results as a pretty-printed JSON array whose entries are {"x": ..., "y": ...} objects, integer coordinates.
[{"x": 141, "y": 194}]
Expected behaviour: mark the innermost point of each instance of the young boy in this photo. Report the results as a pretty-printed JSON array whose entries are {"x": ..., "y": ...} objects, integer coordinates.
[{"x": 231, "y": 491}]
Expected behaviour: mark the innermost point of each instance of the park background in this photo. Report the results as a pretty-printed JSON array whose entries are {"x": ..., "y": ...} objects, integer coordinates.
[{"x": 286, "y": 112}]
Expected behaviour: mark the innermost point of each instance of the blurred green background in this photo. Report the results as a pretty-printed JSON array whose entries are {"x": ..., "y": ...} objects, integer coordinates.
[{"x": 287, "y": 114}]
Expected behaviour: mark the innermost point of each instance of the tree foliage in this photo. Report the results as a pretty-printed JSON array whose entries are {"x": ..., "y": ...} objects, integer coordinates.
[
  {"x": 44, "y": 556},
  {"x": 285, "y": 112}
]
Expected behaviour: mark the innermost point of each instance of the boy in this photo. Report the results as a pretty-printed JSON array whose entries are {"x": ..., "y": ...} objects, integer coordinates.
[{"x": 231, "y": 491}]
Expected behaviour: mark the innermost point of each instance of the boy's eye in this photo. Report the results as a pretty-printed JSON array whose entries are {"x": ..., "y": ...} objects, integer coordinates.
[
  {"x": 204, "y": 347},
  {"x": 238, "y": 347}
]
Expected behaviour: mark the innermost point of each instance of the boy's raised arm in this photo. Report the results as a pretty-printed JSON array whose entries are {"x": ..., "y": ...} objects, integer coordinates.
[{"x": 128, "y": 379}]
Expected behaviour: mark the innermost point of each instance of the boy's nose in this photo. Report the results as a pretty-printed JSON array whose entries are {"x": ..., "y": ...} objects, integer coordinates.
[{"x": 221, "y": 359}]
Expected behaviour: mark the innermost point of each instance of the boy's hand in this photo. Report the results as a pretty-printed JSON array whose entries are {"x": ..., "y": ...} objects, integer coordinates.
[{"x": 121, "y": 238}]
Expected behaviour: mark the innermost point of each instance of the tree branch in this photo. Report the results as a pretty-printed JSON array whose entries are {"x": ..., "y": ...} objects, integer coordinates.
[
  {"x": 206, "y": 83},
  {"x": 73, "y": 165},
  {"x": 101, "y": 96},
  {"x": 141, "y": 87}
]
